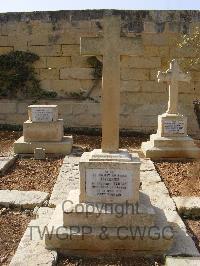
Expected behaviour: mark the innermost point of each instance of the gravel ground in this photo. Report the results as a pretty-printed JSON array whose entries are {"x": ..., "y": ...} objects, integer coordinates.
[
  {"x": 12, "y": 227},
  {"x": 193, "y": 227},
  {"x": 87, "y": 142},
  {"x": 136, "y": 261},
  {"x": 30, "y": 174},
  {"x": 181, "y": 178}
]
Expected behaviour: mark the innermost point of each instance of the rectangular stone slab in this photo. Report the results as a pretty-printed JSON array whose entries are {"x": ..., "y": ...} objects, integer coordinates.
[
  {"x": 172, "y": 125},
  {"x": 115, "y": 180},
  {"x": 102, "y": 214},
  {"x": 93, "y": 239},
  {"x": 55, "y": 147},
  {"x": 37, "y": 131},
  {"x": 43, "y": 113}
]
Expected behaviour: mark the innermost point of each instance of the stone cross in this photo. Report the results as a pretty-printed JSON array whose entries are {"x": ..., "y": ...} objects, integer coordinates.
[
  {"x": 172, "y": 76},
  {"x": 111, "y": 46}
]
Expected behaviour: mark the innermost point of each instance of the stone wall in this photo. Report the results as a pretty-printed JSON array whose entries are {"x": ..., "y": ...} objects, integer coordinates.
[{"x": 55, "y": 37}]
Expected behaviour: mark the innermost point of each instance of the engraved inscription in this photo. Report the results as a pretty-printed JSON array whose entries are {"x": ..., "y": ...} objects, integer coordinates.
[
  {"x": 113, "y": 183},
  {"x": 174, "y": 127},
  {"x": 41, "y": 114}
]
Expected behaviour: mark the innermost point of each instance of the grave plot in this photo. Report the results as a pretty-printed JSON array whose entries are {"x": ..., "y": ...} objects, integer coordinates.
[
  {"x": 12, "y": 227},
  {"x": 30, "y": 174},
  {"x": 181, "y": 178},
  {"x": 183, "y": 182}
]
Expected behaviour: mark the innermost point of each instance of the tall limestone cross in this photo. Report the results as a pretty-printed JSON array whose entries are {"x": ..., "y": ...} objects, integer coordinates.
[
  {"x": 172, "y": 76},
  {"x": 111, "y": 46}
]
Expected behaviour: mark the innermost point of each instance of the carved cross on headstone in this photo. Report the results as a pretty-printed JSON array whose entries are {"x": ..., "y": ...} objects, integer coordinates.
[
  {"x": 172, "y": 76},
  {"x": 111, "y": 46}
]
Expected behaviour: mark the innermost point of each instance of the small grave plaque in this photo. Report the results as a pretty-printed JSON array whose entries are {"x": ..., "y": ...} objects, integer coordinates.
[
  {"x": 174, "y": 127},
  {"x": 114, "y": 183},
  {"x": 43, "y": 114}
]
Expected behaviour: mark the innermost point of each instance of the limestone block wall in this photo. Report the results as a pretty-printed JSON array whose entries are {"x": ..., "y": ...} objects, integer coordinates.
[{"x": 55, "y": 37}]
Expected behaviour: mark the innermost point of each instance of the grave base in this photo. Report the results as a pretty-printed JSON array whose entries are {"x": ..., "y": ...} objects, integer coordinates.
[
  {"x": 87, "y": 236},
  {"x": 170, "y": 147},
  {"x": 118, "y": 170},
  {"x": 58, "y": 147}
]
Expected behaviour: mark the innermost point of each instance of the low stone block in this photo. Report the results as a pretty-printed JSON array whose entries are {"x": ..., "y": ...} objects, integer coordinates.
[
  {"x": 89, "y": 240},
  {"x": 59, "y": 147},
  {"x": 170, "y": 147},
  {"x": 22, "y": 199},
  {"x": 188, "y": 206},
  {"x": 119, "y": 171},
  {"x": 102, "y": 214},
  {"x": 39, "y": 154},
  {"x": 182, "y": 261},
  {"x": 38, "y": 131}
]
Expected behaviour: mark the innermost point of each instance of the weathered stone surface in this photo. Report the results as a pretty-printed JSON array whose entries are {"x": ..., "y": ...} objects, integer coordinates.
[
  {"x": 67, "y": 180},
  {"x": 31, "y": 250},
  {"x": 44, "y": 212},
  {"x": 120, "y": 239},
  {"x": 182, "y": 261},
  {"x": 146, "y": 165},
  {"x": 62, "y": 147},
  {"x": 150, "y": 176},
  {"x": 110, "y": 215},
  {"x": 188, "y": 206},
  {"x": 47, "y": 131},
  {"x": 183, "y": 245},
  {"x": 43, "y": 113},
  {"x": 6, "y": 163},
  {"x": 77, "y": 73},
  {"x": 39, "y": 154},
  {"x": 24, "y": 199},
  {"x": 119, "y": 166}
]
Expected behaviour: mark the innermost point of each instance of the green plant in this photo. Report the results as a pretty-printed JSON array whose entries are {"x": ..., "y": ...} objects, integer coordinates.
[{"x": 18, "y": 77}]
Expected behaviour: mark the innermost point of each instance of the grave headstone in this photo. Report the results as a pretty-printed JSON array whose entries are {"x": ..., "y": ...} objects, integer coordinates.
[
  {"x": 109, "y": 177},
  {"x": 43, "y": 130},
  {"x": 171, "y": 140}
]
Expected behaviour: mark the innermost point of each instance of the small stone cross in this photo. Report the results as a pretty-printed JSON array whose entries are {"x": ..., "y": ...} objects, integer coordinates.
[
  {"x": 172, "y": 76},
  {"x": 111, "y": 46}
]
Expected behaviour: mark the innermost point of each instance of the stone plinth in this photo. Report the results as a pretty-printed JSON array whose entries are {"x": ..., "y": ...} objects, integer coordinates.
[
  {"x": 97, "y": 214},
  {"x": 82, "y": 232},
  {"x": 43, "y": 130},
  {"x": 171, "y": 139},
  {"x": 109, "y": 177},
  {"x": 60, "y": 147},
  {"x": 37, "y": 131}
]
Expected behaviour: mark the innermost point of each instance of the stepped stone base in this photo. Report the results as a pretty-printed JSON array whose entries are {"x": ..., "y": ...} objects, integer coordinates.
[
  {"x": 56, "y": 147},
  {"x": 170, "y": 147},
  {"x": 41, "y": 131},
  {"x": 83, "y": 234}
]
